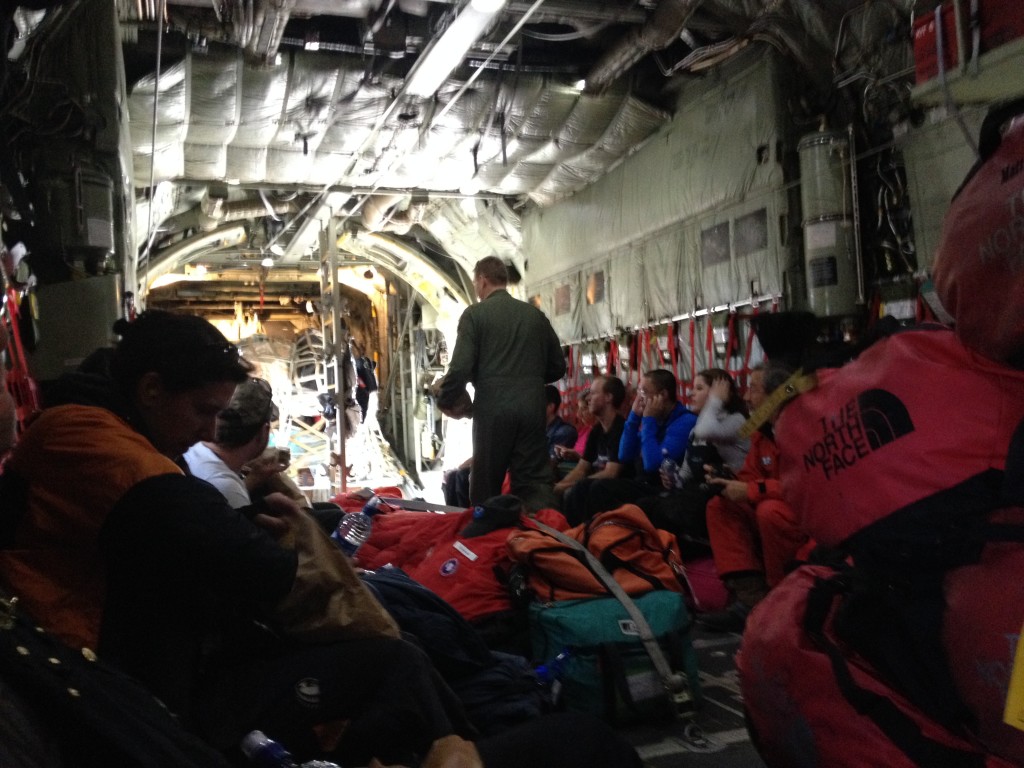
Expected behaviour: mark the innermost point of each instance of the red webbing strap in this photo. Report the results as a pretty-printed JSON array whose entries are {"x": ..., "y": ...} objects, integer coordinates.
[
  {"x": 673, "y": 353},
  {"x": 630, "y": 361},
  {"x": 873, "y": 309},
  {"x": 20, "y": 384},
  {"x": 649, "y": 353},
  {"x": 730, "y": 344},
  {"x": 581, "y": 381},
  {"x": 693, "y": 348},
  {"x": 635, "y": 363},
  {"x": 710, "y": 342},
  {"x": 567, "y": 391},
  {"x": 750, "y": 340},
  {"x": 924, "y": 312},
  {"x": 613, "y": 357}
]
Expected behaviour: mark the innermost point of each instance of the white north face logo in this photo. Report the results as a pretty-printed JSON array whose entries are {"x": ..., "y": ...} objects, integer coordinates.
[
  {"x": 628, "y": 627},
  {"x": 307, "y": 690}
]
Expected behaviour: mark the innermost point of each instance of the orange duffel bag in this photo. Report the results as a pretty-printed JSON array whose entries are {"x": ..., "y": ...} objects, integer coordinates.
[{"x": 639, "y": 556}]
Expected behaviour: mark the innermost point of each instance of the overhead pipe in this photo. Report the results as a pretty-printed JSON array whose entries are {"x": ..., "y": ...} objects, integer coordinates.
[
  {"x": 246, "y": 209},
  {"x": 661, "y": 30},
  {"x": 214, "y": 210},
  {"x": 378, "y": 209},
  {"x": 392, "y": 214},
  {"x": 580, "y": 15},
  {"x": 168, "y": 260},
  {"x": 271, "y": 17},
  {"x": 357, "y": 9}
]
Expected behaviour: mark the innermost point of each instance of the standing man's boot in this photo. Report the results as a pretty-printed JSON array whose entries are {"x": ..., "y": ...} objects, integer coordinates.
[{"x": 747, "y": 589}]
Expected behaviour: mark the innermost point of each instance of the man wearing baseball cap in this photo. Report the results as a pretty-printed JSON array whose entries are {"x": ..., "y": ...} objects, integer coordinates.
[{"x": 232, "y": 462}]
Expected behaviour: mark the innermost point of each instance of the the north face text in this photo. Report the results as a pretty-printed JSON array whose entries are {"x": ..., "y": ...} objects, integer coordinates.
[{"x": 863, "y": 425}]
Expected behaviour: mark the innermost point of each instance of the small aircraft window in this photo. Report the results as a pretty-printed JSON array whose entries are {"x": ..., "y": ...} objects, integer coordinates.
[
  {"x": 563, "y": 300},
  {"x": 595, "y": 287},
  {"x": 714, "y": 245},
  {"x": 750, "y": 233}
]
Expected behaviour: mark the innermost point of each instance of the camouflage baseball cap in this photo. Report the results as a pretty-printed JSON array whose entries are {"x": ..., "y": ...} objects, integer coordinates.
[{"x": 252, "y": 405}]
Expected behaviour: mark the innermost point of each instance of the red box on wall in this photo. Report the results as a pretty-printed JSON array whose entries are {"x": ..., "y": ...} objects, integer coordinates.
[
  {"x": 999, "y": 22},
  {"x": 926, "y": 50}
]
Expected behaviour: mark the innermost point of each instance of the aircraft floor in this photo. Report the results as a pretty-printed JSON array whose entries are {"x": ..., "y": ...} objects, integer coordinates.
[{"x": 720, "y": 718}]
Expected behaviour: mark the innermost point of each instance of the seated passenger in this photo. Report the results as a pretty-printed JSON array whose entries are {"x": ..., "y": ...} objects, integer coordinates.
[
  {"x": 658, "y": 425},
  {"x": 753, "y": 531},
  {"x": 559, "y": 432},
  {"x": 584, "y": 422},
  {"x": 455, "y": 484},
  {"x": 236, "y": 462},
  {"x": 714, "y": 443},
  {"x": 600, "y": 459},
  {"x": 127, "y": 555}
]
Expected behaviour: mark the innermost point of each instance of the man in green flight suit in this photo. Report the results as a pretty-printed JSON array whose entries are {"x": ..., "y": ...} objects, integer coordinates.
[{"x": 509, "y": 350}]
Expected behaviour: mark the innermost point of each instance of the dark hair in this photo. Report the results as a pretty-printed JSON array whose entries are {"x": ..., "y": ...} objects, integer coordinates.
[
  {"x": 612, "y": 385},
  {"x": 186, "y": 351},
  {"x": 235, "y": 435},
  {"x": 775, "y": 375},
  {"x": 663, "y": 381},
  {"x": 552, "y": 395},
  {"x": 492, "y": 269},
  {"x": 734, "y": 404}
]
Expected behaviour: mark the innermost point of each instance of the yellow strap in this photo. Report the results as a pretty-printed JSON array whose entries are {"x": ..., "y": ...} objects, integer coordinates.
[
  {"x": 1013, "y": 714},
  {"x": 790, "y": 388}
]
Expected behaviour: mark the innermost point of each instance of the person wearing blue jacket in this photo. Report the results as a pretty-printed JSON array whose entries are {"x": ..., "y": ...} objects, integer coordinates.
[{"x": 658, "y": 425}]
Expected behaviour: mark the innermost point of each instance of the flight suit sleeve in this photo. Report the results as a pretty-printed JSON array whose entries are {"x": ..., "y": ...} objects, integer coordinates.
[{"x": 463, "y": 362}]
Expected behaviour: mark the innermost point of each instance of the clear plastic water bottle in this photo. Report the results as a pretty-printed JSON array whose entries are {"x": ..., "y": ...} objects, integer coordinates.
[
  {"x": 670, "y": 467},
  {"x": 263, "y": 752},
  {"x": 552, "y": 673},
  {"x": 354, "y": 527}
]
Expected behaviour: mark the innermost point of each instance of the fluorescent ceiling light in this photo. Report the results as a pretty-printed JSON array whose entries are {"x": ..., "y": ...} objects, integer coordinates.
[
  {"x": 267, "y": 262},
  {"x": 447, "y": 51}
]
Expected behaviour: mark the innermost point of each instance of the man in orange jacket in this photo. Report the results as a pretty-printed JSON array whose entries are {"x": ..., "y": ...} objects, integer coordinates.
[{"x": 753, "y": 531}]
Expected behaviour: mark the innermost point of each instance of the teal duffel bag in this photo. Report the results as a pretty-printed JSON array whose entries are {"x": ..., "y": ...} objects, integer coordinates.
[{"x": 604, "y": 668}]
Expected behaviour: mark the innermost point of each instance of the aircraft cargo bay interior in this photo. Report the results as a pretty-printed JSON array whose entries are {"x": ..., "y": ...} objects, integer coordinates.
[{"x": 795, "y": 222}]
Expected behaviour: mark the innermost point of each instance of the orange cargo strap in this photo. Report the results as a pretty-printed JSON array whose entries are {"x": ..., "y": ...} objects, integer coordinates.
[{"x": 613, "y": 357}]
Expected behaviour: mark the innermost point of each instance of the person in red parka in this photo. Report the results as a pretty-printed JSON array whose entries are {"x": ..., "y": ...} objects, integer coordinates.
[{"x": 753, "y": 531}]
